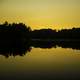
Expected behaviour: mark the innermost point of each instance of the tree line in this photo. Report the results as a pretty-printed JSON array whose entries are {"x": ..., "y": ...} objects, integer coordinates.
[
  {"x": 18, "y": 38},
  {"x": 21, "y": 31}
]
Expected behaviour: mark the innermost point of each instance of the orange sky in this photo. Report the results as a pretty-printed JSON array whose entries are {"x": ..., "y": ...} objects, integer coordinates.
[{"x": 55, "y": 14}]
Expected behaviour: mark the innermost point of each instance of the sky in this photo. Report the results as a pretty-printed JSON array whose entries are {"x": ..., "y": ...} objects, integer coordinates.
[{"x": 54, "y": 14}]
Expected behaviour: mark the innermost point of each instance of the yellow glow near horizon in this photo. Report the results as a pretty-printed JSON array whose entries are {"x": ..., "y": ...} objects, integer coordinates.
[{"x": 55, "y": 14}]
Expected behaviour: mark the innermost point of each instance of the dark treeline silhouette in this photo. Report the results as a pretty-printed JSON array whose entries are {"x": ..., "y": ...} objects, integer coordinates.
[
  {"x": 13, "y": 34},
  {"x": 13, "y": 38},
  {"x": 22, "y": 32},
  {"x": 17, "y": 38},
  {"x": 73, "y": 33}
]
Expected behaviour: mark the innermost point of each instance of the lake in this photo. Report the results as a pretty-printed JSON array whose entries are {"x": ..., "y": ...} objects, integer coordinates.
[{"x": 42, "y": 64}]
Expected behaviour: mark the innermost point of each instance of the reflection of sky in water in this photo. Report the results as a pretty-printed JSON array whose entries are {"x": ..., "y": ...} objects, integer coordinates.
[{"x": 46, "y": 62}]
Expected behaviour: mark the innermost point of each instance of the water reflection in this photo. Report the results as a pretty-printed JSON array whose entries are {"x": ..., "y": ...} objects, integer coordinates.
[
  {"x": 42, "y": 64},
  {"x": 14, "y": 49},
  {"x": 21, "y": 48}
]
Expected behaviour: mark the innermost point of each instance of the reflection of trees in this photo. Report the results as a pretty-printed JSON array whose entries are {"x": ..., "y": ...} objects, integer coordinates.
[
  {"x": 13, "y": 50},
  {"x": 17, "y": 39},
  {"x": 74, "y": 44},
  {"x": 24, "y": 49}
]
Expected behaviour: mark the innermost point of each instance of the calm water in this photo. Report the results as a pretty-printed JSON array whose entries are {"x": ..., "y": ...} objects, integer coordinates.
[{"x": 42, "y": 64}]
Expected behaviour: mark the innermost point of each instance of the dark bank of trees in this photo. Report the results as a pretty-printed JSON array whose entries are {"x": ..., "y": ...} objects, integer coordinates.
[
  {"x": 17, "y": 38},
  {"x": 13, "y": 38},
  {"x": 13, "y": 33},
  {"x": 20, "y": 31},
  {"x": 73, "y": 33}
]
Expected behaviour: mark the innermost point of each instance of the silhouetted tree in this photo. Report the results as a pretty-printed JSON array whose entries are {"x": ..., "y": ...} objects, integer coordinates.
[{"x": 17, "y": 38}]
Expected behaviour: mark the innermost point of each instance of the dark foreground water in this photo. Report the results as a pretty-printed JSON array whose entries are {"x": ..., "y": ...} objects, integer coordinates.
[{"x": 42, "y": 64}]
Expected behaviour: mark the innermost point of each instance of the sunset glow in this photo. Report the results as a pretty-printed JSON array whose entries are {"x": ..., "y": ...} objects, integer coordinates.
[{"x": 37, "y": 14}]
